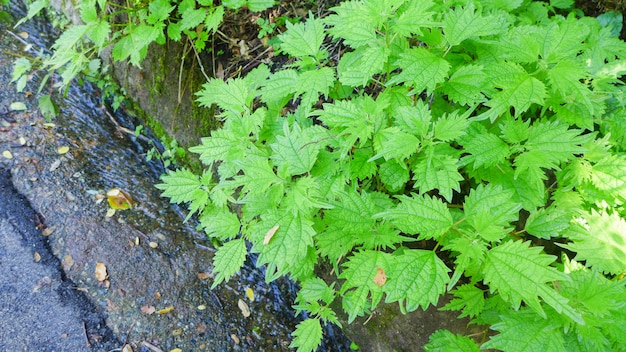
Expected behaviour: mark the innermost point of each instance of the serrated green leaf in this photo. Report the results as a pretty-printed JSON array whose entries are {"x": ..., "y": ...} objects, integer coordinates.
[
  {"x": 352, "y": 212},
  {"x": 463, "y": 22},
  {"x": 609, "y": 174},
  {"x": 159, "y": 11},
  {"x": 214, "y": 19},
  {"x": 548, "y": 223},
  {"x": 221, "y": 224},
  {"x": 416, "y": 278},
  {"x": 485, "y": 148},
  {"x": 446, "y": 341},
  {"x": 303, "y": 39},
  {"x": 307, "y": 336},
  {"x": 233, "y": 4},
  {"x": 562, "y": 39},
  {"x": 421, "y": 69},
  {"x": 258, "y": 175},
  {"x": 335, "y": 242},
  {"x": 357, "y": 68},
  {"x": 490, "y": 211},
  {"x": 465, "y": 85},
  {"x": 524, "y": 331},
  {"x": 297, "y": 148},
  {"x": 413, "y": 119},
  {"x": 345, "y": 117},
  {"x": 519, "y": 272},
  {"x": 313, "y": 83},
  {"x": 228, "y": 259},
  {"x": 360, "y": 166},
  {"x": 231, "y": 95},
  {"x": 135, "y": 44},
  {"x": 440, "y": 173},
  {"x": 413, "y": 17},
  {"x": 353, "y": 23},
  {"x": 423, "y": 215},
  {"x": 519, "y": 91},
  {"x": 192, "y": 17},
  {"x": 468, "y": 299},
  {"x": 360, "y": 292},
  {"x": 280, "y": 86},
  {"x": 179, "y": 185},
  {"x": 394, "y": 175},
  {"x": 450, "y": 127},
  {"x": 603, "y": 245},
  {"x": 99, "y": 33},
  {"x": 392, "y": 143},
  {"x": 217, "y": 147},
  {"x": 287, "y": 246}
]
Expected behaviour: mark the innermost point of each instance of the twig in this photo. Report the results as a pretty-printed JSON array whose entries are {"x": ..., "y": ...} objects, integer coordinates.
[
  {"x": 151, "y": 346},
  {"x": 86, "y": 335},
  {"x": 200, "y": 63},
  {"x": 122, "y": 128}
]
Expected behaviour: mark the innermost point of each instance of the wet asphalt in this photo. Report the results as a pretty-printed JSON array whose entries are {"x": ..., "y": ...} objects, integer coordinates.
[{"x": 40, "y": 310}]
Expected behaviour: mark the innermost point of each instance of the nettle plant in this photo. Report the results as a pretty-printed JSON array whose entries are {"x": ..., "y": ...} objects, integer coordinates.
[{"x": 470, "y": 147}]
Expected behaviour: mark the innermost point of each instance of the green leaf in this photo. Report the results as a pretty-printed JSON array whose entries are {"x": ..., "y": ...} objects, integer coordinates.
[
  {"x": 221, "y": 224},
  {"x": 192, "y": 17},
  {"x": 548, "y": 223},
  {"x": 135, "y": 44},
  {"x": 214, "y": 19},
  {"x": 414, "y": 16},
  {"x": 466, "y": 84},
  {"x": 415, "y": 119},
  {"x": 311, "y": 83},
  {"x": 485, "y": 148},
  {"x": 47, "y": 107},
  {"x": 468, "y": 299},
  {"x": 562, "y": 39},
  {"x": 446, "y": 341},
  {"x": 490, "y": 211},
  {"x": 360, "y": 270},
  {"x": 287, "y": 246},
  {"x": 232, "y": 95},
  {"x": 609, "y": 174},
  {"x": 159, "y": 11},
  {"x": 462, "y": 23},
  {"x": 394, "y": 175},
  {"x": 260, "y": 5},
  {"x": 423, "y": 215},
  {"x": 228, "y": 259},
  {"x": 258, "y": 175},
  {"x": 179, "y": 185},
  {"x": 344, "y": 117},
  {"x": 307, "y": 336},
  {"x": 279, "y": 86},
  {"x": 519, "y": 272},
  {"x": 519, "y": 90},
  {"x": 219, "y": 146},
  {"x": 524, "y": 331},
  {"x": 392, "y": 143},
  {"x": 303, "y": 39},
  {"x": 352, "y": 212},
  {"x": 34, "y": 9},
  {"x": 297, "y": 148},
  {"x": 450, "y": 127},
  {"x": 353, "y": 23},
  {"x": 360, "y": 166},
  {"x": 440, "y": 173},
  {"x": 603, "y": 245},
  {"x": 421, "y": 69},
  {"x": 416, "y": 278}
]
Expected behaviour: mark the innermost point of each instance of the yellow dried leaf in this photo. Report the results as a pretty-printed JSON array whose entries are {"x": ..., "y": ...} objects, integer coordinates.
[
  {"x": 63, "y": 149},
  {"x": 250, "y": 294},
  {"x": 380, "y": 278},
  {"x": 127, "y": 348},
  {"x": 176, "y": 350},
  {"x": 204, "y": 276},
  {"x": 110, "y": 213},
  {"x": 7, "y": 154},
  {"x": 153, "y": 244},
  {"x": 48, "y": 231},
  {"x": 37, "y": 257},
  {"x": 235, "y": 338},
  {"x": 244, "y": 308},
  {"x": 101, "y": 271},
  {"x": 165, "y": 310},
  {"x": 270, "y": 233},
  {"x": 202, "y": 307},
  {"x": 67, "y": 262},
  {"x": 119, "y": 199},
  {"x": 177, "y": 332}
]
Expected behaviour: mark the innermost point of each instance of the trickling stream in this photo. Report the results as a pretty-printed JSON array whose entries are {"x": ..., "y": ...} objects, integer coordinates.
[{"x": 155, "y": 263}]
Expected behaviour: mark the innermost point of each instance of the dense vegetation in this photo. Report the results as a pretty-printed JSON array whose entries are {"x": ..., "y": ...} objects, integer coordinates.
[{"x": 416, "y": 147}]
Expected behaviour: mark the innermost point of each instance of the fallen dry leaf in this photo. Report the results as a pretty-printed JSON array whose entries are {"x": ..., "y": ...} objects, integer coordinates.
[
  {"x": 177, "y": 332},
  {"x": 127, "y": 348},
  {"x": 101, "y": 271},
  {"x": 244, "y": 308},
  {"x": 201, "y": 307},
  {"x": 176, "y": 350},
  {"x": 153, "y": 245},
  {"x": 63, "y": 149},
  {"x": 148, "y": 309},
  {"x": 110, "y": 213},
  {"x": 250, "y": 294},
  {"x": 235, "y": 338},
  {"x": 37, "y": 257},
  {"x": 7, "y": 154},
  {"x": 165, "y": 310},
  {"x": 119, "y": 199},
  {"x": 48, "y": 231},
  {"x": 67, "y": 262},
  {"x": 270, "y": 233},
  {"x": 204, "y": 276},
  {"x": 380, "y": 278}
]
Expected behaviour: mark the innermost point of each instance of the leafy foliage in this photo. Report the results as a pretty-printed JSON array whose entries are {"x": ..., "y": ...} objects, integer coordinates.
[{"x": 445, "y": 137}]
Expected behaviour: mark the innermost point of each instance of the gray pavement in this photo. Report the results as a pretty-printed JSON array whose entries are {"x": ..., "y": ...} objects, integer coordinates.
[{"x": 39, "y": 310}]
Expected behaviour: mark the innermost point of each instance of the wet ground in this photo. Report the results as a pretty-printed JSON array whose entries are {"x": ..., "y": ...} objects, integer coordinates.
[{"x": 140, "y": 277}]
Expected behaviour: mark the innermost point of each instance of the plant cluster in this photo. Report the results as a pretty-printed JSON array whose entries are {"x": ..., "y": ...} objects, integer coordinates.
[
  {"x": 471, "y": 147},
  {"x": 475, "y": 147}
]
